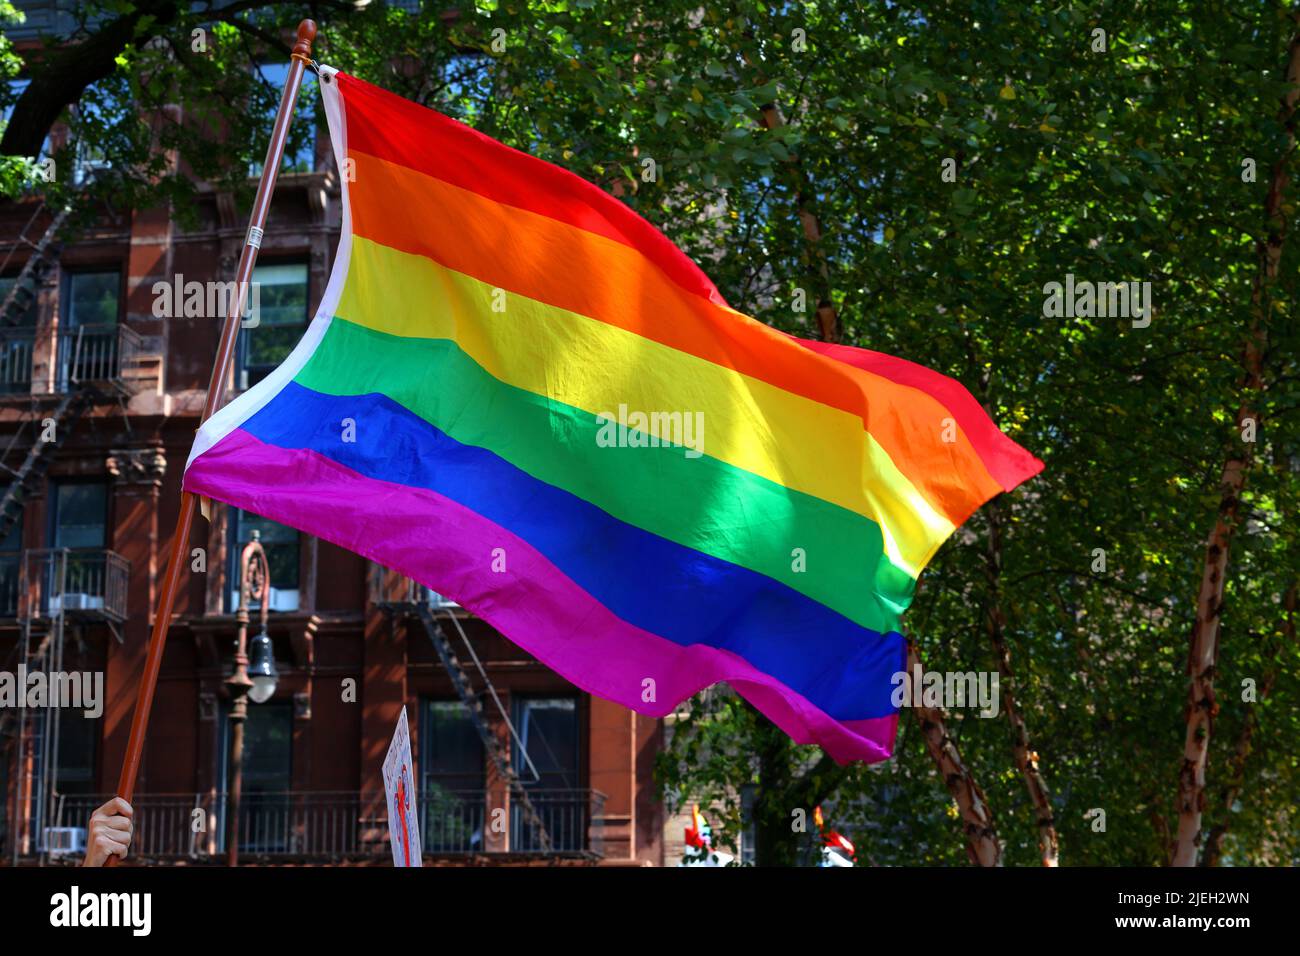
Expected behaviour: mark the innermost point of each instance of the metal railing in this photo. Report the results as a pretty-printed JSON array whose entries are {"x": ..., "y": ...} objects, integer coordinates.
[
  {"x": 74, "y": 582},
  {"x": 16, "y": 361},
  {"x": 393, "y": 590},
  {"x": 95, "y": 355},
  {"x": 573, "y": 820},
  {"x": 326, "y": 825},
  {"x": 166, "y": 825},
  {"x": 11, "y": 563},
  {"x": 452, "y": 821}
]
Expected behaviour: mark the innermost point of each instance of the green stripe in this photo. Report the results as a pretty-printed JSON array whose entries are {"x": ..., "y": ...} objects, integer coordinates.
[{"x": 701, "y": 503}]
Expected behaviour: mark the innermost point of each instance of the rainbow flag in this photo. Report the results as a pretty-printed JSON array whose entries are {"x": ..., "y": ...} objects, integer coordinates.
[{"x": 519, "y": 393}]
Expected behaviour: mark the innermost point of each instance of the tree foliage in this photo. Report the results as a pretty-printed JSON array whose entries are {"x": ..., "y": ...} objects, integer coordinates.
[{"x": 1140, "y": 154}]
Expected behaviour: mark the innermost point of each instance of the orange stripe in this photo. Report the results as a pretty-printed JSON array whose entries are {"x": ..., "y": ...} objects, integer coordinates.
[
  {"x": 564, "y": 266},
  {"x": 389, "y": 127}
]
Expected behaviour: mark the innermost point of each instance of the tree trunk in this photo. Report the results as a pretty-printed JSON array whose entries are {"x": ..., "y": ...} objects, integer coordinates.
[
  {"x": 981, "y": 837},
  {"x": 1241, "y": 753},
  {"x": 1204, "y": 646},
  {"x": 828, "y": 322},
  {"x": 776, "y": 843},
  {"x": 1026, "y": 758}
]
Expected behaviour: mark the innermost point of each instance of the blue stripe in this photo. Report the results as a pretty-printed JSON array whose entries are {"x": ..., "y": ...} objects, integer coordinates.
[{"x": 658, "y": 585}]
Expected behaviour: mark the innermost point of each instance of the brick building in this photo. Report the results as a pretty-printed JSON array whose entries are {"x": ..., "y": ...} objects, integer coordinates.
[{"x": 99, "y": 401}]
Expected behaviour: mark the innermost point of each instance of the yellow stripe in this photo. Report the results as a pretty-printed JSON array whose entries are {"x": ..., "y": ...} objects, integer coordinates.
[
  {"x": 568, "y": 267},
  {"x": 594, "y": 366}
]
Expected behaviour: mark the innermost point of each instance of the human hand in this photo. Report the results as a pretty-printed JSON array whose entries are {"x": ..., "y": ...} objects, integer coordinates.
[{"x": 109, "y": 833}]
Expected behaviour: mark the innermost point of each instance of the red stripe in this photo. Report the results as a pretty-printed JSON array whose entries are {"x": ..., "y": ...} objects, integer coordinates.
[
  {"x": 392, "y": 128},
  {"x": 1006, "y": 462}
]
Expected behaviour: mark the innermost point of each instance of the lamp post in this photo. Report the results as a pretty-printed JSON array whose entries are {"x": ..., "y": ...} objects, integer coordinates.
[{"x": 254, "y": 583}]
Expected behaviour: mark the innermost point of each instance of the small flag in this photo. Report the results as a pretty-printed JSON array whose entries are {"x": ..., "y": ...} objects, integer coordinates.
[
  {"x": 698, "y": 833},
  {"x": 833, "y": 840}
]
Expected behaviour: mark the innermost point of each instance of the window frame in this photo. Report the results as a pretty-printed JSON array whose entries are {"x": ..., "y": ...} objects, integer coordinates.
[
  {"x": 11, "y": 560},
  {"x": 427, "y": 706},
  {"x": 518, "y": 711},
  {"x": 67, "y": 320},
  {"x": 56, "y": 486},
  {"x": 283, "y": 600},
  {"x": 243, "y": 368}
]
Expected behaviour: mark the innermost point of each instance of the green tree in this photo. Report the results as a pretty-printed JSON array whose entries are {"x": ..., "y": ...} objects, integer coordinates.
[{"x": 909, "y": 178}]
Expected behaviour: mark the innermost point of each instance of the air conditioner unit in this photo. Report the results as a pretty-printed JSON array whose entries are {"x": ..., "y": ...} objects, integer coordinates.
[
  {"x": 282, "y": 599},
  {"x": 61, "y": 841},
  {"x": 82, "y": 602}
]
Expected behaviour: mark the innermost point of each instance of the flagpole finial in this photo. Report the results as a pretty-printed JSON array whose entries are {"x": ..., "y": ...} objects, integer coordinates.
[{"x": 306, "y": 34}]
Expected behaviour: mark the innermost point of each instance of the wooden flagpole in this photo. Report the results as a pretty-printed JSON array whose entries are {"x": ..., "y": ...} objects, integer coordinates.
[{"x": 299, "y": 59}]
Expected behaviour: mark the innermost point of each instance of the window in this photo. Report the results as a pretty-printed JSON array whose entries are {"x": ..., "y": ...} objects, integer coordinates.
[
  {"x": 10, "y": 560},
  {"x": 16, "y": 340},
  {"x": 93, "y": 119},
  {"x": 281, "y": 546},
  {"x": 88, "y": 335},
  {"x": 452, "y": 779},
  {"x": 266, "y": 778},
  {"x": 548, "y": 734},
  {"x": 93, "y": 298},
  {"x": 278, "y": 307},
  {"x": 300, "y": 150},
  {"x": 77, "y": 739},
  {"x": 80, "y": 515},
  {"x": 548, "y": 731},
  {"x": 78, "y": 743},
  {"x": 79, "y": 522},
  {"x": 450, "y": 749}
]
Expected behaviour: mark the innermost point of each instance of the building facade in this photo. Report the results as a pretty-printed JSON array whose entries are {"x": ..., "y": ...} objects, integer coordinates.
[{"x": 105, "y": 354}]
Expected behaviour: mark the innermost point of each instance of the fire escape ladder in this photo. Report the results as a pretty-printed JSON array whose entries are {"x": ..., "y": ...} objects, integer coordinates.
[
  {"x": 20, "y": 298},
  {"x": 17, "y": 727},
  {"x": 45, "y": 252},
  {"x": 496, "y": 752},
  {"x": 27, "y": 477},
  {"x": 9, "y": 716}
]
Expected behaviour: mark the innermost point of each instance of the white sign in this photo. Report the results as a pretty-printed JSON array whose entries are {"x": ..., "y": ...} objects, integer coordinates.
[{"x": 403, "y": 809}]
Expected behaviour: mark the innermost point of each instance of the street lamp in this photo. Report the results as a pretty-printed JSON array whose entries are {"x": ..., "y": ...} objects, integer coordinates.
[
  {"x": 261, "y": 669},
  {"x": 255, "y": 679}
]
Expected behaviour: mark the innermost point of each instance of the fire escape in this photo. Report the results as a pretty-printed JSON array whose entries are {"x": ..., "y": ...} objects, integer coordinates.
[
  {"x": 403, "y": 598},
  {"x": 50, "y": 592}
]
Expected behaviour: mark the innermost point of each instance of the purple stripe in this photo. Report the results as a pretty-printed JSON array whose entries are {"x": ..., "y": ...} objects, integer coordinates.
[{"x": 449, "y": 548}]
